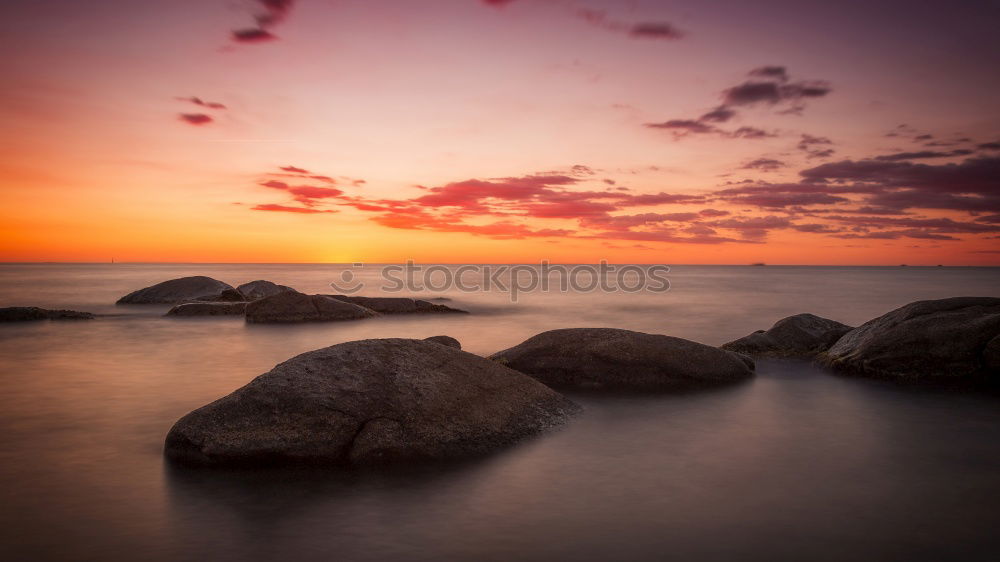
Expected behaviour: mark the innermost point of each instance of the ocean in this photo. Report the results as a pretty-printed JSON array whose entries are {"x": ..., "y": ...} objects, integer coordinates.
[{"x": 795, "y": 464}]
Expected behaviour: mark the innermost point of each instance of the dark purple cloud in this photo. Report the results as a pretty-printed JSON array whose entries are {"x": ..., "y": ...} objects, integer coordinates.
[
  {"x": 751, "y": 93},
  {"x": 922, "y": 155},
  {"x": 764, "y": 165},
  {"x": 655, "y": 31},
  {"x": 196, "y": 118},
  {"x": 720, "y": 114},
  {"x": 253, "y": 35},
  {"x": 270, "y": 14},
  {"x": 200, "y": 102},
  {"x": 811, "y": 146},
  {"x": 778, "y": 73},
  {"x": 771, "y": 88}
]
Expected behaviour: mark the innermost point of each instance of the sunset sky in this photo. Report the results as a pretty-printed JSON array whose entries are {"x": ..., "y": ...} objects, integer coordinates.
[{"x": 654, "y": 131}]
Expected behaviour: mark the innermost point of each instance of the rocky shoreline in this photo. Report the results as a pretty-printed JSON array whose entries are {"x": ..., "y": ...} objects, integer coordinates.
[{"x": 386, "y": 401}]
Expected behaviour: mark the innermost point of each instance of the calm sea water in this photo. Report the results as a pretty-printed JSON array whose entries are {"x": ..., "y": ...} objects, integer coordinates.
[{"x": 797, "y": 464}]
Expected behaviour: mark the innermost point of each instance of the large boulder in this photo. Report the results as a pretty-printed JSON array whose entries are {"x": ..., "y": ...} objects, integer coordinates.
[
  {"x": 292, "y": 306},
  {"x": 176, "y": 291},
  {"x": 397, "y": 305},
  {"x": 947, "y": 339},
  {"x": 445, "y": 340},
  {"x": 802, "y": 335},
  {"x": 26, "y": 313},
  {"x": 607, "y": 358},
  {"x": 229, "y": 295},
  {"x": 208, "y": 309},
  {"x": 369, "y": 401},
  {"x": 261, "y": 288}
]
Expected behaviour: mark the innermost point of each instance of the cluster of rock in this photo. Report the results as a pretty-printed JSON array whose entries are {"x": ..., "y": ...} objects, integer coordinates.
[
  {"x": 956, "y": 339},
  {"x": 263, "y": 302},
  {"x": 381, "y": 401},
  {"x": 28, "y": 313},
  {"x": 387, "y": 400}
]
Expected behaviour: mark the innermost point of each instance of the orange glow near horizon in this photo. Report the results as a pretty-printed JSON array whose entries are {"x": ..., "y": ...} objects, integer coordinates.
[{"x": 496, "y": 132}]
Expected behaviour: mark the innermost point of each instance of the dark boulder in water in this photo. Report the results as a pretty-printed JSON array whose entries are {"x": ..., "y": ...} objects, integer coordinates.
[
  {"x": 208, "y": 309},
  {"x": 176, "y": 291},
  {"x": 369, "y": 402},
  {"x": 27, "y": 313},
  {"x": 445, "y": 340},
  {"x": 261, "y": 288},
  {"x": 607, "y": 358},
  {"x": 229, "y": 295},
  {"x": 802, "y": 335},
  {"x": 949, "y": 339},
  {"x": 397, "y": 305},
  {"x": 291, "y": 306}
]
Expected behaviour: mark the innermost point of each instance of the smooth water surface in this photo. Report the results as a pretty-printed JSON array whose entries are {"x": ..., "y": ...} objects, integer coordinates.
[{"x": 796, "y": 464}]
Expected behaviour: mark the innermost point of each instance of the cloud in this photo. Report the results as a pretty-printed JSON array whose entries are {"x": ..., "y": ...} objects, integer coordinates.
[
  {"x": 294, "y": 169},
  {"x": 972, "y": 185},
  {"x": 763, "y": 164},
  {"x": 196, "y": 118},
  {"x": 751, "y": 93},
  {"x": 684, "y": 127},
  {"x": 974, "y": 175},
  {"x": 989, "y": 146},
  {"x": 923, "y": 154},
  {"x": 750, "y": 133},
  {"x": 771, "y": 87},
  {"x": 253, "y": 35},
  {"x": 198, "y": 101},
  {"x": 720, "y": 114},
  {"x": 497, "y": 2},
  {"x": 270, "y": 14},
  {"x": 286, "y": 209},
  {"x": 778, "y": 73},
  {"x": 655, "y": 31},
  {"x": 809, "y": 143}
]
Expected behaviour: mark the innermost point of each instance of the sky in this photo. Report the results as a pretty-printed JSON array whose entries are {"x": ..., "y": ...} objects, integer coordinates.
[{"x": 500, "y": 131}]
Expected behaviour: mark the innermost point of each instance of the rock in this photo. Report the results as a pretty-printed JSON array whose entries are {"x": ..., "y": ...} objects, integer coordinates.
[
  {"x": 445, "y": 340},
  {"x": 26, "y": 313},
  {"x": 229, "y": 295},
  {"x": 802, "y": 335},
  {"x": 607, "y": 358},
  {"x": 947, "y": 339},
  {"x": 293, "y": 306},
  {"x": 177, "y": 291},
  {"x": 397, "y": 305},
  {"x": 259, "y": 289},
  {"x": 369, "y": 401},
  {"x": 208, "y": 309},
  {"x": 991, "y": 355}
]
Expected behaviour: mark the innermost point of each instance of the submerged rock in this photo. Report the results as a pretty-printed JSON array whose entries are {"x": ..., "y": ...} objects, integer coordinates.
[
  {"x": 397, "y": 305},
  {"x": 261, "y": 288},
  {"x": 208, "y": 309},
  {"x": 445, "y": 340},
  {"x": 369, "y": 401},
  {"x": 27, "y": 313},
  {"x": 177, "y": 291},
  {"x": 802, "y": 335},
  {"x": 947, "y": 339},
  {"x": 607, "y": 358},
  {"x": 292, "y": 306}
]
